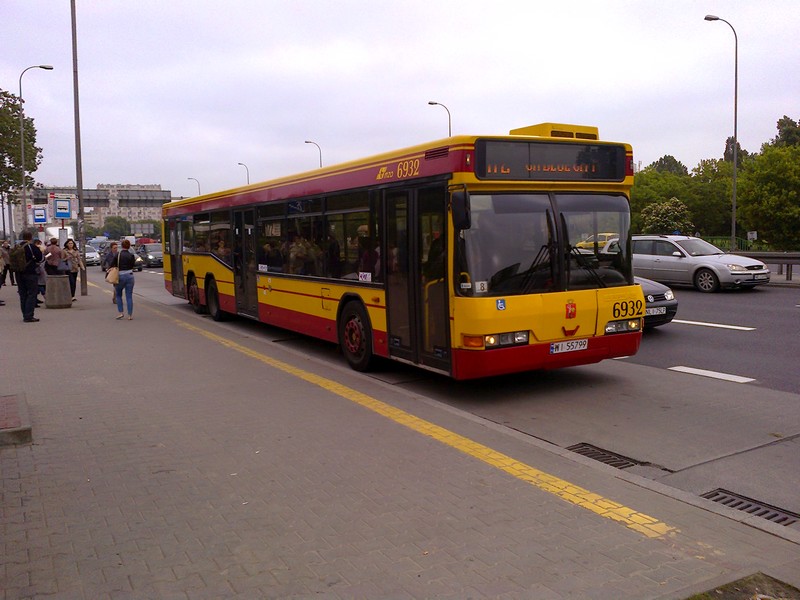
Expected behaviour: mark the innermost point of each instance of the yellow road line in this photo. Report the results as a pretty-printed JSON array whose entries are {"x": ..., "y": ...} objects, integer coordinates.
[{"x": 632, "y": 519}]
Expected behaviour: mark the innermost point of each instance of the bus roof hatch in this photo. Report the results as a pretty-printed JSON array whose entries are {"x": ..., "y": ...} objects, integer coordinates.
[{"x": 559, "y": 130}]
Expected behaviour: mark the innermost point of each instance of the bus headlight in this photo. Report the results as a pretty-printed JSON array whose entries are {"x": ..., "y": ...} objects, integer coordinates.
[
  {"x": 625, "y": 326},
  {"x": 497, "y": 340}
]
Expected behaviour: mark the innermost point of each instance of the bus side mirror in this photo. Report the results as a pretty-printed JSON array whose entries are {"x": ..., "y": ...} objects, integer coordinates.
[{"x": 459, "y": 202}]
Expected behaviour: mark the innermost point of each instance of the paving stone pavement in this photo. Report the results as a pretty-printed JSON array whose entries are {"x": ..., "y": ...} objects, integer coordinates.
[{"x": 167, "y": 464}]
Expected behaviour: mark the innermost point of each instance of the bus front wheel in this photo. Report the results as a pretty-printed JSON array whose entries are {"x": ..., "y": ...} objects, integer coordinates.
[
  {"x": 355, "y": 336},
  {"x": 212, "y": 299}
]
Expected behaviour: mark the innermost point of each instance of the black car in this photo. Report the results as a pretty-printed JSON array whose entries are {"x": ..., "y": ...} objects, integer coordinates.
[
  {"x": 660, "y": 303},
  {"x": 151, "y": 255}
]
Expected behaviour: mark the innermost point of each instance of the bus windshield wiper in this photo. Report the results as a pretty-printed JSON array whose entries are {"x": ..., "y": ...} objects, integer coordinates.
[
  {"x": 581, "y": 260},
  {"x": 544, "y": 253}
]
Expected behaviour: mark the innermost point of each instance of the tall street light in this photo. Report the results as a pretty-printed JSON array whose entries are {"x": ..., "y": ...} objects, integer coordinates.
[
  {"x": 246, "y": 169},
  {"x": 22, "y": 136},
  {"x": 449, "y": 124},
  {"x": 735, "y": 124},
  {"x": 198, "y": 185},
  {"x": 318, "y": 148}
]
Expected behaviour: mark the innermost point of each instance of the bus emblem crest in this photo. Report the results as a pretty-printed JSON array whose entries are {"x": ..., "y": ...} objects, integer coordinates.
[{"x": 572, "y": 310}]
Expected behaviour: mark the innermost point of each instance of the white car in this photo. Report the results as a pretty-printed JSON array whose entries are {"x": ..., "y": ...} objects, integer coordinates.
[{"x": 686, "y": 260}]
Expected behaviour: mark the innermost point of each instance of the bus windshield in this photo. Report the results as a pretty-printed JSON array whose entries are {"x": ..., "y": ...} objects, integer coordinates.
[{"x": 536, "y": 243}]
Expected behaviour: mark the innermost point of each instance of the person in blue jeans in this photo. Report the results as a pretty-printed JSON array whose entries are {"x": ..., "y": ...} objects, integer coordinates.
[{"x": 126, "y": 262}]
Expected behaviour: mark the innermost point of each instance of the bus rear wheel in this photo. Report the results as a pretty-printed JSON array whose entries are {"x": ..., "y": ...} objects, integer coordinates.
[
  {"x": 193, "y": 293},
  {"x": 212, "y": 299},
  {"x": 355, "y": 337}
]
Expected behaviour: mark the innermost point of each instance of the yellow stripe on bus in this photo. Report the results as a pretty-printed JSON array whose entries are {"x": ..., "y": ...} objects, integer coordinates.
[{"x": 632, "y": 519}]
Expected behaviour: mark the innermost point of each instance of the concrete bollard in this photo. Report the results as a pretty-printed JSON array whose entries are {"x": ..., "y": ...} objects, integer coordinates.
[{"x": 57, "y": 294}]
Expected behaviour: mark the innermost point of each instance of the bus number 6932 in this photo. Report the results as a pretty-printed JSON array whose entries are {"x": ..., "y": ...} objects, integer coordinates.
[
  {"x": 629, "y": 308},
  {"x": 408, "y": 168}
]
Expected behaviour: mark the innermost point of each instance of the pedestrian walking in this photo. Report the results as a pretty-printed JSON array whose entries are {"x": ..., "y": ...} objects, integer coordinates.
[
  {"x": 73, "y": 257},
  {"x": 5, "y": 248},
  {"x": 28, "y": 279},
  {"x": 126, "y": 261},
  {"x": 111, "y": 261}
]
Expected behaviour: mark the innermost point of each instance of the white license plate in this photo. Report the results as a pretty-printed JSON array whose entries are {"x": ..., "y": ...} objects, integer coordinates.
[
  {"x": 570, "y": 346},
  {"x": 763, "y": 276},
  {"x": 659, "y": 310}
]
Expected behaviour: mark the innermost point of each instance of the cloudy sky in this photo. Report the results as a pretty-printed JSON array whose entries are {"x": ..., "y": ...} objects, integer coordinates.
[{"x": 173, "y": 89}]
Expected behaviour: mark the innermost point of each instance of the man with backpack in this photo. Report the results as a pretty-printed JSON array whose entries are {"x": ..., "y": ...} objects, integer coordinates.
[{"x": 25, "y": 259}]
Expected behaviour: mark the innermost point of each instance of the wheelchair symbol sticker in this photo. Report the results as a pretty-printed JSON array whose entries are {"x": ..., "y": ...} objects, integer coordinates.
[{"x": 501, "y": 304}]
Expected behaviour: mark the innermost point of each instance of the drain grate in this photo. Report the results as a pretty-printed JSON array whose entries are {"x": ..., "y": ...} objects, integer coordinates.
[
  {"x": 753, "y": 507},
  {"x": 604, "y": 456}
]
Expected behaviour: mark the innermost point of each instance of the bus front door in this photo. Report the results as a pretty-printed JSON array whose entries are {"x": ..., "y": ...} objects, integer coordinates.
[
  {"x": 417, "y": 293},
  {"x": 244, "y": 262}
]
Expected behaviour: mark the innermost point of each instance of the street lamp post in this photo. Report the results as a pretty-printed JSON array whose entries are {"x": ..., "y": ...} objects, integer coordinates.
[
  {"x": 198, "y": 185},
  {"x": 319, "y": 149},
  {"x": 22, "y": 138},
  {"x": 449, "y": 123},
  {"x": 246, "y": 169},
  {"x": 735, "y": 125}
]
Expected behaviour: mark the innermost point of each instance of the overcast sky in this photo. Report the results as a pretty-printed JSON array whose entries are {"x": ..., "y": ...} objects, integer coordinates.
[{"x": 173, "y": 89}]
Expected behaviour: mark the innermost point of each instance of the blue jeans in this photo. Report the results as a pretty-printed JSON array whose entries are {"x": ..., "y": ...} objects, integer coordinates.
[{"x": 125, "y": 284}]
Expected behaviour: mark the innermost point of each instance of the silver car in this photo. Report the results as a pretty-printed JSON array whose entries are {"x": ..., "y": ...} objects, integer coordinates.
[
  {"x": 92, "y": 256},
  {"x": 686, "y": 260}
]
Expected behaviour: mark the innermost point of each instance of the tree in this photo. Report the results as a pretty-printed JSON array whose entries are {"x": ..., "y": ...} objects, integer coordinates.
[
  {"x": 769, "y": 196},
  {"x": 667, "y": 216},
  {"x": 117, "y": 227},
  {"x": 10, "y": 151},
  {"x": 788, "y": 133},
  {"x": 651, "y": 186},
  {"x": 727, "y": 156},
  {"x": 710, "y": 204},
  {"x": 669, "y": 164}
]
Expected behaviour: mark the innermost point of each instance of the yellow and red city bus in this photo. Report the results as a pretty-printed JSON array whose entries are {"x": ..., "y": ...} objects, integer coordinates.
[{"x": 470, "y": 256}]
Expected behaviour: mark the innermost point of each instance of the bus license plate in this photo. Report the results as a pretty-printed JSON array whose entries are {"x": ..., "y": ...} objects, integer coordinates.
[{"x": 570, "y": 346}]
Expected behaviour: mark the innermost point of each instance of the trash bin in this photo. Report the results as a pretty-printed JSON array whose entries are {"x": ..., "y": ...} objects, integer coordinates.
[{"x": 57, "y": 294}]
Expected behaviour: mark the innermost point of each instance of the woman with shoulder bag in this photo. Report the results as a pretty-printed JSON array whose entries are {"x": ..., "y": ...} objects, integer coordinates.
[
  {"x": 110, "y": 261},
  {"x": 126, "y": 261},
  {"x": 73, "y": 258}
]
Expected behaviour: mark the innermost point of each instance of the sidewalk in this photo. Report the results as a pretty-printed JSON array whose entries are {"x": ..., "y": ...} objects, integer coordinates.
[{"x": 176, "y": 457}]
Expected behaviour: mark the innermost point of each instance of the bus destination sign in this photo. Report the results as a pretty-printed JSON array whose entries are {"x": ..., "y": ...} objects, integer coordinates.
[{"x": 549, "y": 161}]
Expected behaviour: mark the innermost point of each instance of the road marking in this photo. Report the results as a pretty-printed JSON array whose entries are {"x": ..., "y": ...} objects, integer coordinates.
[
  {"x": 604, "y": 507},
  {"x": 717, "y": 325},
  {"x": 713, "y": 374}
]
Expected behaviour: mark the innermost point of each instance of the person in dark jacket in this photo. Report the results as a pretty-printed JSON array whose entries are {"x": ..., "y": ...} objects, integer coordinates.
[
  {"x": 28, "y": 279},
  {"x": 126, "y": 261},
  {"x": 110, "y": 260}
]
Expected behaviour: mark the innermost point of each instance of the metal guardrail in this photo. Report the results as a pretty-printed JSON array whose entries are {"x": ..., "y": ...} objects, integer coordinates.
[{"x": 782, "y": 259}]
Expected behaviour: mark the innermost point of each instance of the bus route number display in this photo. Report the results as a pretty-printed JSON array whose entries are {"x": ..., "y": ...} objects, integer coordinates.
[{"x": 549, "y": 161}]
